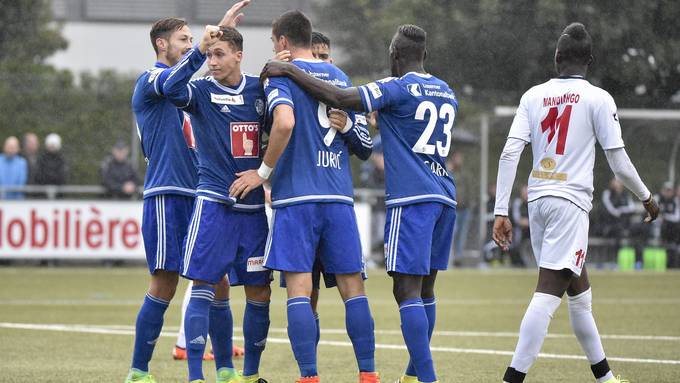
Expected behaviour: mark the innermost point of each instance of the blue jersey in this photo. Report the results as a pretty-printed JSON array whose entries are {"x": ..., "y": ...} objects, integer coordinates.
[
  {"x": 416, "y": 118},
  {"x": 315, "y": 165},
  {"x": 165, "y": 134},
  {"x": 227, "y": 124}
]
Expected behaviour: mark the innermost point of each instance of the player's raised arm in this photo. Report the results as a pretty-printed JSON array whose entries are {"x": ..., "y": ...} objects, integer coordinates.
[
  {"x": 347, "y": 98},
  {"x": 234, "y": 15},
  {"x": 176, "y": 87}
]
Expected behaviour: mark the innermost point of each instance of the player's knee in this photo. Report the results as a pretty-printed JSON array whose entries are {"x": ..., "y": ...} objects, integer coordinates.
[
  {"x": 222, "y": 290},
  {"x": 163, "y": 285},
  {"x": 581, "y": 303},
  {"x": 258, "y": 293},
  {"x": 350, "y": 285}
]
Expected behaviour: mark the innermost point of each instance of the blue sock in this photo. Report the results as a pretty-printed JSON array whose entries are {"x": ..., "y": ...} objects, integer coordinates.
[
  {"x": 318, "y": 328},
  {"x": 255, "y": 330},
  {"x": 359, "y": 324},
  {"x": 221, "y": 330},
  {"x": 302, "y": 334},
  {"x": 414, "y": 327},
  {"x": 431, "y": 312},
  {"x": 196, "y": 322},
  {"x": 147, "y": 330}
]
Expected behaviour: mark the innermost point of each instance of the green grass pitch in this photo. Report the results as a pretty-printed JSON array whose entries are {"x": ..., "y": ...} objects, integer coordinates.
[{"x": 75, "y": 325}]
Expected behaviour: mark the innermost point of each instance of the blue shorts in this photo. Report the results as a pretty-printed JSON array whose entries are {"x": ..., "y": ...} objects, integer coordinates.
[
  {"x": 223, "y": 241},
  {"x": 301, "y": 233},
  {"x": 418, "y": 238},
  {"x": 165, "y": 220}
]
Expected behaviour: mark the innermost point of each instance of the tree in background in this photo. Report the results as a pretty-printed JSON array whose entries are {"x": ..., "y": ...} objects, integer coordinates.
[
  {"x": 491, "y": 51},
  {"x": 35, "y": 97}
]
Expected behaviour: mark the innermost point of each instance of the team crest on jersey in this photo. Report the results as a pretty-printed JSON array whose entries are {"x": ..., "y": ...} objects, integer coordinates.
[
  {"x": 245, "y": 139},
  {"x": 259, "y": 106},
  {"x": 548, "y": 163},
  {"x": 414, "y": 89},
  {"x": 188, "y": 131}
]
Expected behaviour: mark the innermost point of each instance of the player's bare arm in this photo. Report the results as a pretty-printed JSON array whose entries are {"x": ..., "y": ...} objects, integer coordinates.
[
  {"x": 234, "y": 15},
  {"x": 347, "y": 98},
  {"x": 282, "y": 128}
]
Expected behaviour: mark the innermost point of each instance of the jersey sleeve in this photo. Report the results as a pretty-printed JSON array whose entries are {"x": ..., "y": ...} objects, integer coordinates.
[
  {"x": 606, "y": 124},
  {"x": 521, "y": 127},
  {"x": 380, "y": 94},
  {"x": 177, "y": 86},
  {"x": 358, "y": 138},
  {"x": 277, "y": 90}
]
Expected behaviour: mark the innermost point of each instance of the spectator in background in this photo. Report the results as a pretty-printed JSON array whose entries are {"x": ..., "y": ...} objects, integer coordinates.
[
  {"x": 520, "y": 249},
  {"x": 463, "y": 197},
  {"x": 13, "y": 168},
  {"x": 29, "y": 149},
  {"x": 669, "y": 206},
  {"x": 51, "y": 169},
  {"x": 618, "y": 209},
  {"x": 373, "y": 170},
  {"x": 118, "y": 175}
]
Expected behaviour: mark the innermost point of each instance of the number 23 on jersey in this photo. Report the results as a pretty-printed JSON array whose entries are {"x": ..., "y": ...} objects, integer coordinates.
[{"x": 446, "y": 113}]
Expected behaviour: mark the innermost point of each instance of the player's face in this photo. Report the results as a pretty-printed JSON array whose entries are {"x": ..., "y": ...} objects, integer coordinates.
[
  {"x": 280, "y": 43},
  {"x": 179, "y": 44},
  {"x": 223, "y": 60},
  {"x": 394, "y": 67},
  {"x": 322, "y": 52}
]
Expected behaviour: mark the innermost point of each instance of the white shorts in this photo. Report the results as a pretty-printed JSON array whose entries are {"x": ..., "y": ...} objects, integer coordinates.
[{"x": 559, "y": 234}]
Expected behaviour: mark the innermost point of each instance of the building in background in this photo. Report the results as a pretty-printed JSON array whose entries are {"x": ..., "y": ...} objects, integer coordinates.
[{"x": 114, "y": 34}]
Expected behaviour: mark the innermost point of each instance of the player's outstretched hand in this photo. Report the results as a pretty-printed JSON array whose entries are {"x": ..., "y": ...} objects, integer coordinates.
[
  {"x": 211, "y": 35},
  {"x": 338, "y": 119},
  {"x": 502, "y": 232},
  {"x": 282, "y": 56},
  {"x": 233, "y": 16},
  {"x": 245, "y": 183},
  {"x": 652, "y": 210},
  {"x": 275, "y": 68}
]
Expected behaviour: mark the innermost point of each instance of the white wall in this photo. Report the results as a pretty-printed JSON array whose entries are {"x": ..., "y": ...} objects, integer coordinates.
[{"x": 126, "y": 48}]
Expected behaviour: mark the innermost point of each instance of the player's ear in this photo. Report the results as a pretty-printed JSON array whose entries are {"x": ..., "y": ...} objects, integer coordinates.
[
  {"x": 162, "y": 44},
  {"x": 425, "y": 55},
  {"x": 239, "y": 56},
  {"x": 590, "y": 60}
]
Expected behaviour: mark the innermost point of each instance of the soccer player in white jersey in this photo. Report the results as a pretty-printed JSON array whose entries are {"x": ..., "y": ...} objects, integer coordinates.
[{"x": 562, "y": 119}]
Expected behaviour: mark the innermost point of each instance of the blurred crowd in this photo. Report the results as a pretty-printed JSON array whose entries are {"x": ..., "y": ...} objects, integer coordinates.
[{"x": 25, "y": 163}]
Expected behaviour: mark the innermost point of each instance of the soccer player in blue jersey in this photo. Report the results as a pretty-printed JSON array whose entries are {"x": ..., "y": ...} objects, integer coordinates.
[
  {"x": 417, "y": 112},
  {"x": 170, "y": 183},
  {"x": 312, "y": 198},
  {"x": 226, "y": 234},
  {"x": 169, "y": 187},
  {"x": 321, "y": 50}
]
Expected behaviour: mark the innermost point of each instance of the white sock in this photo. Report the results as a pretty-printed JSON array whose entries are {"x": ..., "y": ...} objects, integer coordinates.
[
  {"x": 181, "y": 340},
  {"x": 585, "y": 329},
  {"x": 533, "y": 330}
]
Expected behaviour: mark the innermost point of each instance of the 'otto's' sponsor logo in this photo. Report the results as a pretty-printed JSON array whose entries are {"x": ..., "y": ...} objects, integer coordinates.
[
  {"x": 245, "y": 139},
  {"x": 68, "y": 229}
]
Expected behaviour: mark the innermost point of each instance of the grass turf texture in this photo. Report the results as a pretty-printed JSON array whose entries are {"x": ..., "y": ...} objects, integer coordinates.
[{"x": 469, "y": 301}]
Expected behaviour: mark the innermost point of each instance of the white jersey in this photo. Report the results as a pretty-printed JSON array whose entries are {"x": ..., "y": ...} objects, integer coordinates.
[{"x": 561, "y": 119}]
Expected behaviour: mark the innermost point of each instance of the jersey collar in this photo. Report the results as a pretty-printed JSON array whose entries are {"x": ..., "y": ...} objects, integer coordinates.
[
  {"x": 309, "y": 60},
  {"x": 227, "y": 89},
  {"x": 159, "y": 64},
  {"x": 423, "y": 75},
  {"x": 573, "y": 77}
]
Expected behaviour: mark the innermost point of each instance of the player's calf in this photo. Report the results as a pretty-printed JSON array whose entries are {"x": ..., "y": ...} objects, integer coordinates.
[{"x": 255, "y": 328}]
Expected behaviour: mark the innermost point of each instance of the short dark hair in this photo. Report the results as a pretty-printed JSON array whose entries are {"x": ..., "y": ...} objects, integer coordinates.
[
  {"x": 295, "y": 26},
  {"x": 233, "y": 37},
  {"x": 320, "y": 38},
  {"x": 411, "y": 42},
  {"x": 164, "y": 28},
  {"x": 575, "y": 44}
]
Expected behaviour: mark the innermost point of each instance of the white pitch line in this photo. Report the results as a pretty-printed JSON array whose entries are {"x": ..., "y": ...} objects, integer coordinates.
[
  {"x": 113, "y": 331},
  {"x": 462, "y": 334}
]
